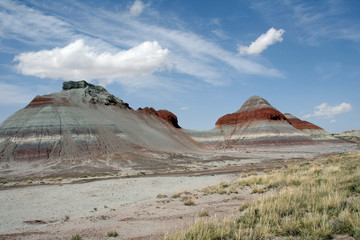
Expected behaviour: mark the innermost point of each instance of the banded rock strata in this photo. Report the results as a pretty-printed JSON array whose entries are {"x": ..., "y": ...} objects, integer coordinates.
[
  {"x": 350, "y": 136},
  {"x": 256, "y": 122},
  {"x": 314, "y": 131},
  {"x": 84, "y": 121}
]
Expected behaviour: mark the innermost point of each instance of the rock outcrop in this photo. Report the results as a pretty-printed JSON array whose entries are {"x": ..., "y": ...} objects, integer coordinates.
[
  {"x": 166, "y": 115},
  {"x": 148, "y": 110},
  {"x": 257, "y": 122},
  {"x": 84, "y": 122},
  {"x": 169, "y": 117}
]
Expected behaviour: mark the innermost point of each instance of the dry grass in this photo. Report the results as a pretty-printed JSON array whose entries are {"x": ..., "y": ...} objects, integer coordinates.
[
  {"x": 188, "y": 200},
  {"x": 112, "y": 234},
  {"x": 3, "y": 182},
  {"x": 76, "y": 237},
  {"x": 311, "y": 201}
]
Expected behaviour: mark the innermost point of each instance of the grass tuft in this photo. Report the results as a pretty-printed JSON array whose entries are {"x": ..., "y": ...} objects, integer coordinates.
[
  {"x": 316, "y": 200},
  {"x": 188, "y": 200},
  {"x": 112, "y": 234},
  {"x": 76, "y": 237},
  {"x": 3, "y": 182},
  {"x": 203, "y": 213}
]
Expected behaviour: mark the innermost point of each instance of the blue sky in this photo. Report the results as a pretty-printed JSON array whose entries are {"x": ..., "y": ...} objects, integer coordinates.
[{"x": 198, "y": 59}]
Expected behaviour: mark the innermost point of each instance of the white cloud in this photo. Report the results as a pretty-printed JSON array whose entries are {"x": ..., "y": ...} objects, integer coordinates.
[
  {"x": 312, "y": 22},
  {"x": 262, "y": 43},
  {"x": 80, "y": 61},
  {"x": 332, "y": 121},
  {"x": 31, "y": 26},
  {"x": 137, "y": 8},
  {"x": 191, "y": 54},
  {"x": 326, "y": 111},
  {"x": 184, "y": 108}
]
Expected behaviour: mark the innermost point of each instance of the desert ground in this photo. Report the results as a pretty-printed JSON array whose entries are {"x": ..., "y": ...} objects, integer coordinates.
[{"x": 140, "y": 206}]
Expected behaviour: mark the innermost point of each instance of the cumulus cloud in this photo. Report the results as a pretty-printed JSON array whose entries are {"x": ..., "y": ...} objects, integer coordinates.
[
  {"x": 271, "y": 37},
  {"x": 80, "y": 61},
  {"x": 191, "y": 54},
  {"x": 326, "y": 111},
  {"x": 137, "y": 8}
]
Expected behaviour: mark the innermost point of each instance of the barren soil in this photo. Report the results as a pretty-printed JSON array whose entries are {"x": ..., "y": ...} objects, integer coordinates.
[{"x": 141, "y": 206}]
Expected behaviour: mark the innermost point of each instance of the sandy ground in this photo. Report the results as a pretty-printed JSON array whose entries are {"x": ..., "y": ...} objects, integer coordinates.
[
  {"x": 135, "y": 208},
  {"x": 141, "y": 206}
]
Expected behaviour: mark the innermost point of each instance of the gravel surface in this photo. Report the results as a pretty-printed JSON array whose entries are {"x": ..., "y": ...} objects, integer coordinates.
[{"x": 52, "y": 203}]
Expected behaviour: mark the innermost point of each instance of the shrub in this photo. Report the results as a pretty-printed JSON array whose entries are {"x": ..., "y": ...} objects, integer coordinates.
[
  {"x": 188, "y": 200},
  {"x": 176, "y": 195},
  {"x": 312, "y": 202},
  {"x": 76, "y": 237},
  {"x": 203, "y": 214},
  {"x": 3, "y": 182},
  {"x": 112, "y": 234}
]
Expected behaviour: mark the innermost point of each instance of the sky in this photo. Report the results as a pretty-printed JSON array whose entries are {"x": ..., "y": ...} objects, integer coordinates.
[{"x": 198, "y": 59}]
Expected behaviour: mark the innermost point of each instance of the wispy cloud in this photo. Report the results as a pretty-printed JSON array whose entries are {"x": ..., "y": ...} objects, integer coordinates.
[
  {"x": 267, "y": 39},
  {"x": 80, "y": 61},
  {"x": 137, "y": 8},
  {"x": 311, "y": 22},
  {"x": 326, "y": 111},
  {"x": 189, "y": 53},
  {"x": 184, "y": 108},
  {"x": 31, "y": 26}
]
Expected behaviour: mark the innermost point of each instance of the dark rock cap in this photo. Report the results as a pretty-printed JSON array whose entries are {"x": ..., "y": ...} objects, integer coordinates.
[{"x": 76, "y": 84}]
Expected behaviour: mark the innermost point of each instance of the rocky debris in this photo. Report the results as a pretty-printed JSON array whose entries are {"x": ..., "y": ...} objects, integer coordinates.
[
  {"x": 169, "y": 117},
  {"x": 78, "y": 84},
  {"x": 96, "y": 94}
]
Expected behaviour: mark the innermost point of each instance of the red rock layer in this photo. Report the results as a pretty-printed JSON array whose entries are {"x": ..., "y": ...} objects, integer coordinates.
[
  {"x": 39, "y": 101},
  {"x": 43, "y": 100},
  {"x": 246, "y": 116},
  {"x": 148, "y": 111},
  {"x": 300, "y": 124},
  {"x": 169, "y": 117}
]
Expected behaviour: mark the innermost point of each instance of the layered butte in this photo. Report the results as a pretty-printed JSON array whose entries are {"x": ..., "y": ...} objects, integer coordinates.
[
  {"x": 258, "y": 122},
  {"x": 85, "y": 121}
]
